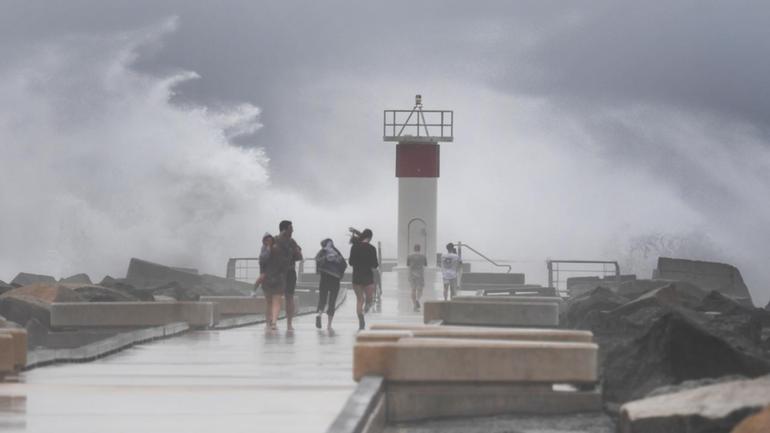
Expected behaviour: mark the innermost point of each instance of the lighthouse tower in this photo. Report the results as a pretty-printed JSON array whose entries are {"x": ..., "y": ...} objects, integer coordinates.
[{"x": 418, "y": 133}]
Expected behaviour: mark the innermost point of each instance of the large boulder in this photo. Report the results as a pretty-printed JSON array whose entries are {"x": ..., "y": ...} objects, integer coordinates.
[
  {"x": 48, "y": 293},
  {"x": 709, "y": 276},
  {"x": 679, "y": 346},
  {"x": 77, "y": 279},
  {"x": 123, "y": 286},
  {"x": 34, "y": 301},
  {"x": 707, "y": 409},
  {"x": 598, "y": 299},
  {"x": 757, "y": 423},
  {"x": 176, "y": 291},
  {"x": 4, "y": 287},
  {"x": 23, "y": 308},
  {"x": 93, "y": 293},
  {"x": 636, "y": 288},
  {"x": 25, "y": 279}
]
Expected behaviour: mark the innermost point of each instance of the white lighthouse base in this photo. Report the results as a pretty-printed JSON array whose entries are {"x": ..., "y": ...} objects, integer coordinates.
[{"x": 417, "y": 217}]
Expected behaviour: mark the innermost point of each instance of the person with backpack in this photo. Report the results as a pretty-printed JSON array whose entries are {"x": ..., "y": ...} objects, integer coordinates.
[
  {"x": 331, "y": 265},
  {"x": 363, "y": 259}
]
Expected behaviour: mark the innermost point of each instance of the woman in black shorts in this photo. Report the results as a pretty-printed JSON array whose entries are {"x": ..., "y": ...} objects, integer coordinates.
[
  {"x": 363, "y": 259},
  {"x": 331, "y": 265}
]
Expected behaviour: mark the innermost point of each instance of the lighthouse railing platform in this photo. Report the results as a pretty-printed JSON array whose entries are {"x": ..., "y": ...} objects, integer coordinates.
[{"x": 418, "y": 125}]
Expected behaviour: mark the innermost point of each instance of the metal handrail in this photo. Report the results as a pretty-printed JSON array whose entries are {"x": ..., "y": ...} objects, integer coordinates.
[{"x": 460, "y": 246}]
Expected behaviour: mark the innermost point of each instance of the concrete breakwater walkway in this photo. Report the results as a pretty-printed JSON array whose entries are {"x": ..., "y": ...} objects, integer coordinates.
[{"x": 241, "y": 379}]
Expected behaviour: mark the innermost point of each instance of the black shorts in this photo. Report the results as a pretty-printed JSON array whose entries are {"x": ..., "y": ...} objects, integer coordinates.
[{"x": 291, "y": 282}]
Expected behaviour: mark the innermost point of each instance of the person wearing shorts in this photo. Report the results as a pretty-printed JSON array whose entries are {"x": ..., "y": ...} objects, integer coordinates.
[
  {"x": 450, "y": 265},
  {"x": 416, "y": 262},
  {"x": 363, "y": 259},
  {"x": 293, "y": 252},
  {"x": 331, "y": 266}
]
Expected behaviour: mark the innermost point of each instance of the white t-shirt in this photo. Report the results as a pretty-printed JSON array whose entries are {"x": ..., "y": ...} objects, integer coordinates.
[{"x": 450, "y": 263}]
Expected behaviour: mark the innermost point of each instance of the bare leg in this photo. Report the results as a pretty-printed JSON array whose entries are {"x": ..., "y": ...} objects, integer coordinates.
[
  {"x": 329, "y": 322},
  {"x": 359, "y": 291},
  {"x": 268, "y": 310},
  {"x": 446, "y": 291},
  {"x": 289, "y": 312},
  {"x": 369, "y": 290},
  {"x": 276, "y": 306}
]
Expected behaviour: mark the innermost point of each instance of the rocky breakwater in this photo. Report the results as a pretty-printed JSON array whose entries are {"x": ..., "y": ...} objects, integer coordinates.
[{"x": 671, "y": 333}]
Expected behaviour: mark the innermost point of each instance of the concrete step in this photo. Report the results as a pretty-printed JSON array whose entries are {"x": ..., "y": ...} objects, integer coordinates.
[
  {"x": 19, "y": 337},
  {"x": 485, "y": 313},
  {"x": 458, "y": 360},
  {"x": 389, "y": 332},
  {"x": 96, "y": 314}
]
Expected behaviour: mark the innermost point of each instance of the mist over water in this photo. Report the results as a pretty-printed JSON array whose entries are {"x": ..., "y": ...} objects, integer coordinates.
[{"x": 103, "y": 161}]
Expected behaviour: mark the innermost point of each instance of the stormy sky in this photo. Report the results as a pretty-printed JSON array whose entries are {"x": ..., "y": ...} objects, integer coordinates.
[{"x": 180, "y": 131}]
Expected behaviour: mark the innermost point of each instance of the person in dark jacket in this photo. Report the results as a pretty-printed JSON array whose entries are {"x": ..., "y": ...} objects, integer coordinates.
[
  {"x": 288, "y": 246},
  {"x": 363, "y": 259},
  {"x": 331, "y": 265},
  {"x": 274, "y": 264}
]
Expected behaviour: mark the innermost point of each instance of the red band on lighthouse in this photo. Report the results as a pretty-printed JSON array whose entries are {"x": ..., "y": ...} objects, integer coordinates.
[{"x": 417, "y": 160}]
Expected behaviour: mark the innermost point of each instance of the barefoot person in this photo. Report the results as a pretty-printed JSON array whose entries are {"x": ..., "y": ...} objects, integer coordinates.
[
  {"x": 264, "y": 256},
  {"x": 416, "y": 262},
  {"x": 331, "y": 265},
  {"x": 363, "y": 259},
  {"x": 273, "y": 263},
  {"x": 450, "y": 264},
  {"x": 293, "y": 252}
]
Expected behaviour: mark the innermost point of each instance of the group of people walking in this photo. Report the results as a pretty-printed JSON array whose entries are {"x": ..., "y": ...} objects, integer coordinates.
[{"x": 278, "y": 275}]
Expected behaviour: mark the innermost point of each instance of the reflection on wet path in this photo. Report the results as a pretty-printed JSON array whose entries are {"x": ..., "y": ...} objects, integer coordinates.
[{"x": 242, "y": 379}]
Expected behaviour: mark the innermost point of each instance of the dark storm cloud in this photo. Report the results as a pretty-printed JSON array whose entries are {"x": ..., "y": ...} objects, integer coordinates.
[
  {"x": 695, "y": 55},
  {"x": 673, "y": 92}
]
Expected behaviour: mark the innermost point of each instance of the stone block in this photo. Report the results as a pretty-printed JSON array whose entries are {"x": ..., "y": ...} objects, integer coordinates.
[
  {"x": 117, "y": 314},
  {"x": 19, "y": 337},
  {"x": 473, "y": 360},
  {"x": 757, "y": 423},
  {"x": 489, "y": 333},
  {"x": 382, "y": 335},
  {"x": 143, "y": 274},
  {"x": 418, "y": 401},
  {"x": 709, "y": 408},
  {"x": 231, "y": 305},
  {"x": 25, "y": 279},
  {"x": 434, "y": 310},
  {"x": 77, "y": 279},
  {"x": 7, "y": 354},
  {"x": 708, "y": 276},
  {"x": 482, "y": 313},
  {"x": 512, "y": 298}
]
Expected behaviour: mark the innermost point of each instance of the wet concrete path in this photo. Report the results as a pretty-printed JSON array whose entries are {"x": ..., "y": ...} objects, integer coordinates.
[{"x": 236, "y": 380}]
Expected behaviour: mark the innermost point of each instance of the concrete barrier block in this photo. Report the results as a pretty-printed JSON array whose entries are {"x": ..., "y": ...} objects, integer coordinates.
[
  {"x": 434, "y": 310},
  {"x": 489, "y": 333},
  {"x": 418, "y": 401},
  {"x": 7, "y": 354},
  {"x": 484, "y": 313},
  {"x": 230, "y": 305},
  {"x": 372, "y": 359},
  {"x": 19, "y": 337},
  {"x": 472, "y": 360},
  {"x": 520, "y": 299},
  {"x": 116, "y": 314},
  {"x": 382, "y": 335}
]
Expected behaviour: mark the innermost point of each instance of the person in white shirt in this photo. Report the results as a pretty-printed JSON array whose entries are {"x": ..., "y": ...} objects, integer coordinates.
[{"x": 450, "y": 265}]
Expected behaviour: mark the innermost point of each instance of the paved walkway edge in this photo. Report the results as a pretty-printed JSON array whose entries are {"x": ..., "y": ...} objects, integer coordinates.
[
  {"x": 364, "y": 411},
  {"x": 98, "y": 349}
]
